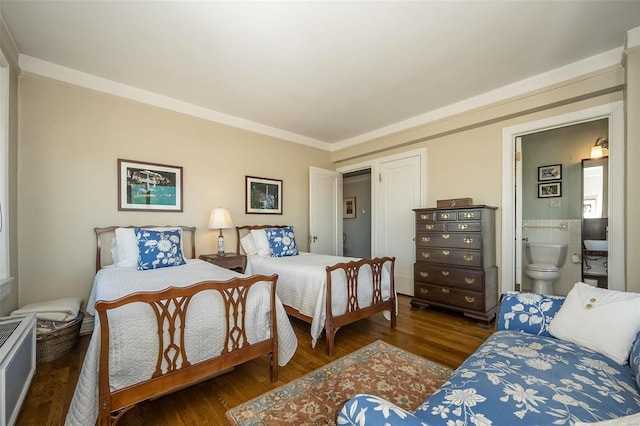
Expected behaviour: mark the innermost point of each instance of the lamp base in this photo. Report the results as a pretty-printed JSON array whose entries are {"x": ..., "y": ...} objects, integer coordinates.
[{"x": 221, "y": 245}]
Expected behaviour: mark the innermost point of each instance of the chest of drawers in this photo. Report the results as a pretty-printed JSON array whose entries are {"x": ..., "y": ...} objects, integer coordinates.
[{"x": 456, "y": 261}]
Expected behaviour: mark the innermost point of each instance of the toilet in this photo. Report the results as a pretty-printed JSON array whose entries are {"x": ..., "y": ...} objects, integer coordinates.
[{"x": 545, "y": 261}]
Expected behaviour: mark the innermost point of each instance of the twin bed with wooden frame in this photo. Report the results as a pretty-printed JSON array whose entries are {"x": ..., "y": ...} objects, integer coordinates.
[
  {"x": 159, "y": 332},
  {"x": 354, "y": 289}
]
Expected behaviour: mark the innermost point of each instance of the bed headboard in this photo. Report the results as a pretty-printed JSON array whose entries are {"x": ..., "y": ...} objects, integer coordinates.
[
  {"x": 106, "y": 234},
  {"x": 247, "y": 228}
]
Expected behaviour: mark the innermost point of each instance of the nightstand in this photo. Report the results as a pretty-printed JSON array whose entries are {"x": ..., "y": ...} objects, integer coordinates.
[{"x": 233, "y": 261}]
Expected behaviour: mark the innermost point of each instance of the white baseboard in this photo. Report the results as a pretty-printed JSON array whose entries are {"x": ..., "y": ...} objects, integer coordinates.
[{"x": 87, "y": 325}]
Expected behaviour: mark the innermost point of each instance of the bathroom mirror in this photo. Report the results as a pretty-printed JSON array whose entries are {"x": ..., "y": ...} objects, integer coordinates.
[{"x": 595, "y": 197}]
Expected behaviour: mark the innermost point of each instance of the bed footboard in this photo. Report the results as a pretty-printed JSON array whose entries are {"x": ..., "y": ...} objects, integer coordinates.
[
  {"x": 355, "y": 310},
  {"x": 173, "y": 368}
]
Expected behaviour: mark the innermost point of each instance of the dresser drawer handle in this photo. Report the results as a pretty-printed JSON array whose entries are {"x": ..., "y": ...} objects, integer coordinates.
[
  {"x": 446, "y": 236},
  {"x": 469, "y": 215},
  {"x": 429, "y": 227},
  {"x": 469, "y": 280},
  {"x": 470, "y": 299},
  {"x": 462, "y": 226},
  {"x": 424, "y": 274},
  {"x": 444, "y": 215},
  {"x": 467, "y": 257},
  {"x": 426, "y": 239},
  {"x": 424, "y": 290},
  {"x": 424, "y": 216},
  {"x": 468, "y": 240},
  {"x": 445, "y": 252},
  {"x": 445, "y": 273},
  {"x": 445, "y": 290},
  {"x": 426, "y": 254}
]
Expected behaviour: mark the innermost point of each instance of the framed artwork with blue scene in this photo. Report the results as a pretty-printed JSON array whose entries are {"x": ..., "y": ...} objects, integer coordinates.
[{"x": 149, "y": 186}]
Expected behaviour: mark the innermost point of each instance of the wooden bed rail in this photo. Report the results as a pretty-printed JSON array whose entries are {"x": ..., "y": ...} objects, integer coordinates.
[
  {"x": 354, "y": 311},
  {"x": 170, "y": 307}
]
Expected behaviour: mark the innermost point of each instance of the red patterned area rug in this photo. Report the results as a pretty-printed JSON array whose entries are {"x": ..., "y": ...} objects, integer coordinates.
[{"x": 379, "y": 368}]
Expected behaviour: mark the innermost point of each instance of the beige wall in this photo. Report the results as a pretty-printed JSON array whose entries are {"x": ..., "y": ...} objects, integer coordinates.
[
  {"x": 632, "y": 112},
  {"x": 70, "y": 140},
  {"x": 464, "y": 153},
  {"x": 11, "y": 54}
]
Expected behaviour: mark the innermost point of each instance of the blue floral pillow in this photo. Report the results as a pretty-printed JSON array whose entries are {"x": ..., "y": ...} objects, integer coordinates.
[
  {"x": 282, "y": 241},
  {"x": 528, "y": 312},
  {"x": 158, "y": 249},
  {"x": 634, "y": 359}
]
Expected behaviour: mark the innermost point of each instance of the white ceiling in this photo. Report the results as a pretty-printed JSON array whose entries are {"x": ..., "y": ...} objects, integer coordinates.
[{"x": 316, "y": 72}]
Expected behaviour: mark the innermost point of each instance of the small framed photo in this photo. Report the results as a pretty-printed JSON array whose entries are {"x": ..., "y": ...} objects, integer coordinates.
[
  {"x": 349, "y": 208},
  {"x": 262, "y": 195},
  {"x": 149, "y": 186},
  {"x": 550, "y": 189},
  {"x": 552, "y": 172}
]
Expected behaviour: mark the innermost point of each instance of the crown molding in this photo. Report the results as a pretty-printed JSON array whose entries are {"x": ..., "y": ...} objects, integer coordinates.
[
  {"x": 540, "y": 81},
  {"x": 68, "y": 75}
]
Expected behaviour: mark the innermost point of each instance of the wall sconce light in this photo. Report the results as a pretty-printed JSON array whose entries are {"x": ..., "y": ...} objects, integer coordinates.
[
  {"x": 220, "y": 219},
  {"x": 597, "y": 150}
]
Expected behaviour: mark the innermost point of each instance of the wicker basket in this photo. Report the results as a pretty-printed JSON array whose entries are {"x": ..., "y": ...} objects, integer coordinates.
[{"x": 50, "y": 346}]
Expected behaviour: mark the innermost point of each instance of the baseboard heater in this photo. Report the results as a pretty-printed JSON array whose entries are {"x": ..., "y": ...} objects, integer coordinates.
[{"x": 17, "y": 364}]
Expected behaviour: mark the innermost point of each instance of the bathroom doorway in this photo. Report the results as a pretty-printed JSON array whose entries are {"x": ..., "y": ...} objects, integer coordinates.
[
  {"x": 511, "y": 256},
  {"x": 551, "y": 195}
]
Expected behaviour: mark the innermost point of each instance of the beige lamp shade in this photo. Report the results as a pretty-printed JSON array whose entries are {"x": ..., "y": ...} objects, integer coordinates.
[{"x": 220, "y": 219}]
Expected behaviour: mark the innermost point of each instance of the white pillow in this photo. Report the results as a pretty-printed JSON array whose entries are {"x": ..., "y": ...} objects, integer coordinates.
[
  {"x": 127, "y": 248},
  {"x": 605, "y": 321},
  {"x": 248, "y": 245},
  {"x": 261, "y": 242}
]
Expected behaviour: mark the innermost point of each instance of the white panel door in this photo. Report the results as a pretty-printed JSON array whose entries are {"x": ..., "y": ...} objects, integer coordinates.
[
  {"x": 399, "y": 180},
  {"x": 325, "y": 215}
]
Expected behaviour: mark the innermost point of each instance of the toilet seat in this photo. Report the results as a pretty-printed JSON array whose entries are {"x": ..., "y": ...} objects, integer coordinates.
[{"x": 542, "y": 267}]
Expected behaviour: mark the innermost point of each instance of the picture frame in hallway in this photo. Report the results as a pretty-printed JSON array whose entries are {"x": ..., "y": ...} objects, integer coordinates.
[
  {"x": 349, "y": 208},
  {"x": 550, "y": 172},
  {"x": 149, "y": 187},
  {"x": 263, "y": 195},
  {"x": 549, "y": 189}
]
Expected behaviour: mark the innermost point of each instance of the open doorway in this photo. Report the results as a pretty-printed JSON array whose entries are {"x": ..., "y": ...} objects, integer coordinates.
[
  {"x": 356, "y": 213},
  {"x": 511, "y": 218},
  {"x": 555, "y": 218}
]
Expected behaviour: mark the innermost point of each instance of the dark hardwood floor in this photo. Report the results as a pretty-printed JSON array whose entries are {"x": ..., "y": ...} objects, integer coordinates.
[{"x": 445, "y": 337}]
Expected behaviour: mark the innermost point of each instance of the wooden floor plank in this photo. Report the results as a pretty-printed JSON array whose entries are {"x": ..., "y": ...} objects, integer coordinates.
[{"x": 442, "y": 336}]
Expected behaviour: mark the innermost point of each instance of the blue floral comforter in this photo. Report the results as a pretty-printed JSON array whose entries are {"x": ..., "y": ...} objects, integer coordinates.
[
  {"x": 520, "y": 378},
  {"x": 516, "y": 378}
]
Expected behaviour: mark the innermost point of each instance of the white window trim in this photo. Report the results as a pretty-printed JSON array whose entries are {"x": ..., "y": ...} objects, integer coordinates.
[{"x": 4, "y": 169}]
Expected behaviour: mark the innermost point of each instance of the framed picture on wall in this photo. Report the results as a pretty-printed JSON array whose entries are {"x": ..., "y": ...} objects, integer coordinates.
[
  {"x": 552, "y": 172},
  {"x": 349, "y": 208},
  {"x": 262, "y": 195},
  {"x": 149, "y": 186},
  {"x": 550, "y": 189}
]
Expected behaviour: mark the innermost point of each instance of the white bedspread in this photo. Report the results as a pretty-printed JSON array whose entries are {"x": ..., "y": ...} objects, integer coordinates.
[
  {"x": 136, "y": 350},
  {"x": 302, "y": 284}
]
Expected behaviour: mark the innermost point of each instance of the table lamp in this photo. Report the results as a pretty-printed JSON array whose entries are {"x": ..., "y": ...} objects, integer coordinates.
[{"x": 220, "y": 219}]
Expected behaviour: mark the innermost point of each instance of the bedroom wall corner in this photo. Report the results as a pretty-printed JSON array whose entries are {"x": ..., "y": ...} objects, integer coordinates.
[{"x": 70, "y": 140}]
